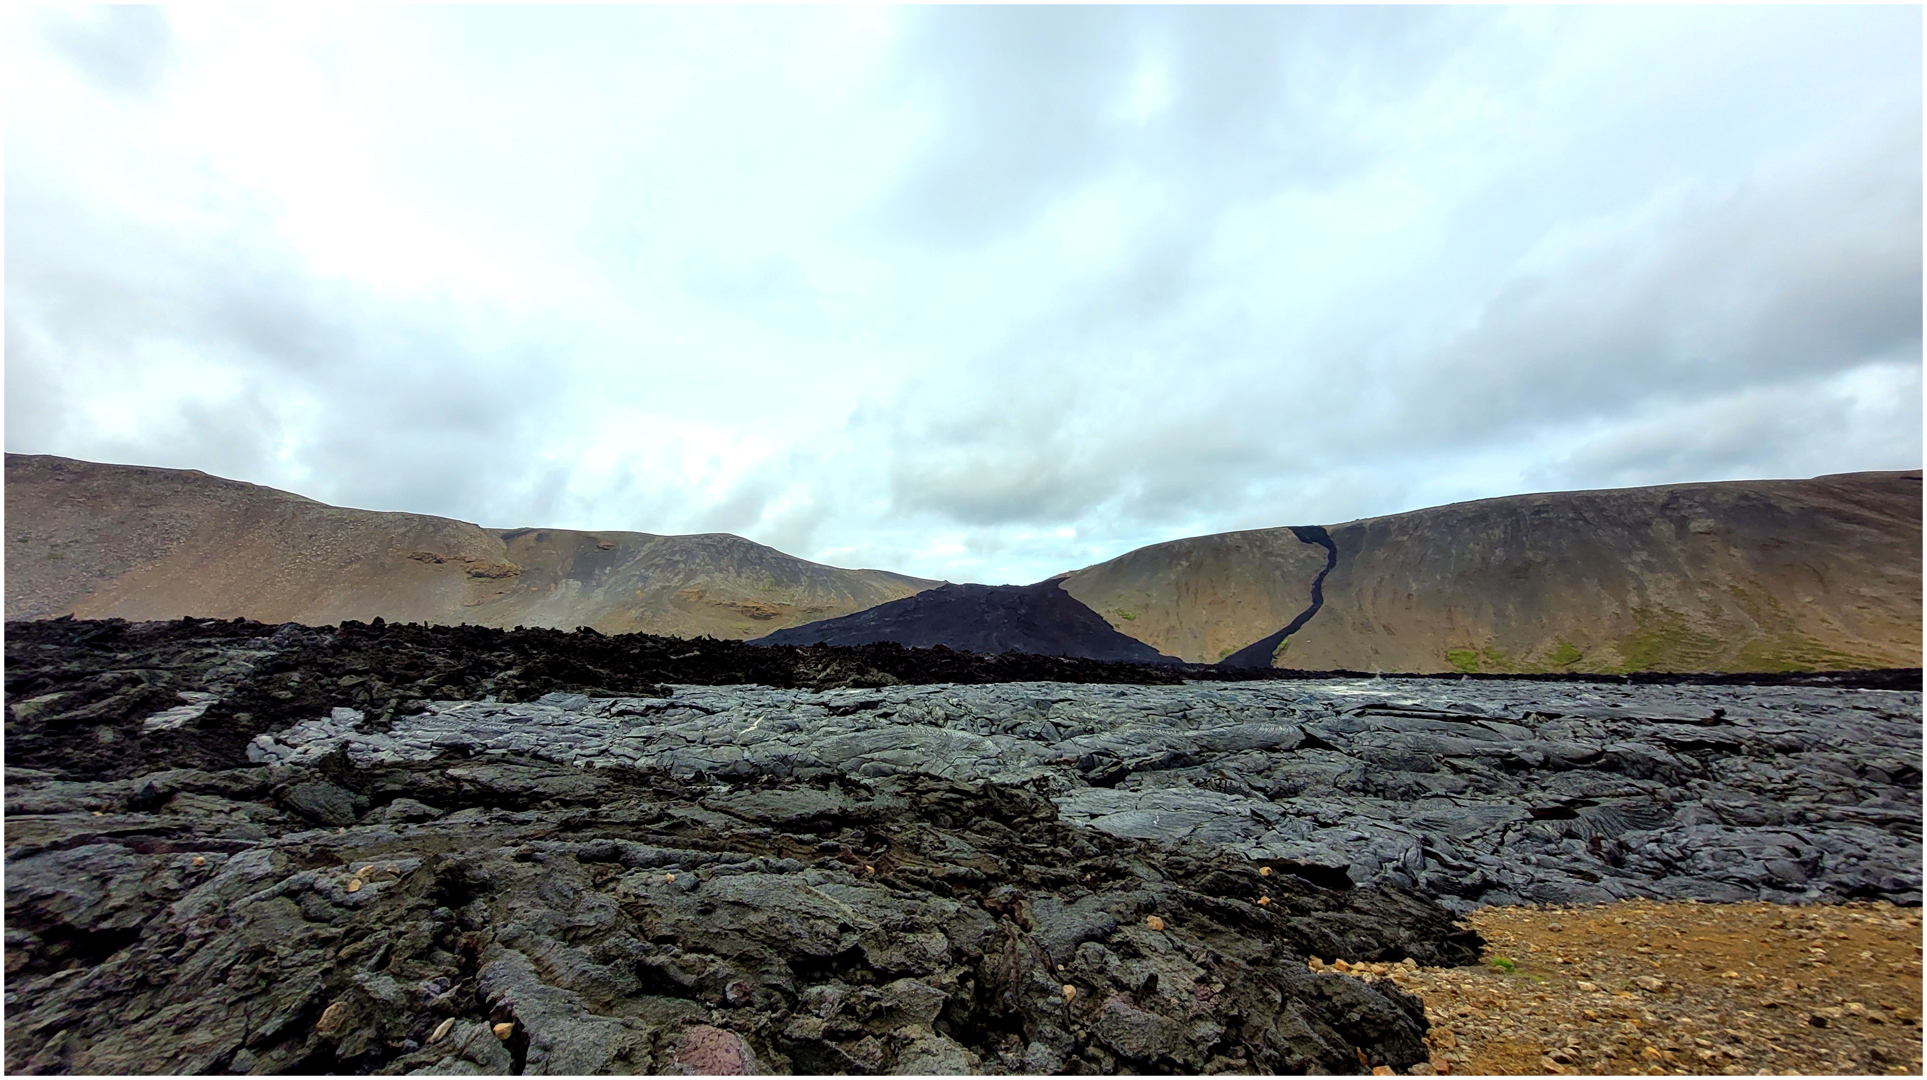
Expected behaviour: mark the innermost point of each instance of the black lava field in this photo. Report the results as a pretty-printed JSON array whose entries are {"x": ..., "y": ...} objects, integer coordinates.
[{"x": 387, "y": 849}]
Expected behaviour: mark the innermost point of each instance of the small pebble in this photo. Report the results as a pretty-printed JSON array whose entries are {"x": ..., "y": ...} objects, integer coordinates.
[
  {"x": 1070, "y": 992},
  {"x": 503, "y": 1031},
  {"x": 671, "y": 878},
  {"x": 441, "y": 1030},
  {"x": 1264, "y": 871},
  {"x": 1154, "y": 922},
  {"x": 354, "y": 884},
  {"x": 331, "y": 1019},
  {"x": 200, "y": 860}
]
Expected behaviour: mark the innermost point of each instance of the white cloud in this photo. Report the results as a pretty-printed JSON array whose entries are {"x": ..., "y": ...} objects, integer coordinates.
[{"x": 969, "y": 293}]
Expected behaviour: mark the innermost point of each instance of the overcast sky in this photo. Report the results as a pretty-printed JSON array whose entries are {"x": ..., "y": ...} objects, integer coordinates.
[{"x": 972, "y": 293}]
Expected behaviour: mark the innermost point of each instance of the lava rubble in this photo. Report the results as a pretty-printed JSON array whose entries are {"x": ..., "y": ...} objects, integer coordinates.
[{"x": 392, "y": 849}]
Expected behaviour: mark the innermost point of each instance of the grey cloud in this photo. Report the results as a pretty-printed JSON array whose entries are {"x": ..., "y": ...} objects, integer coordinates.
[
  {"x": 1018, "y": 92},
  {"x": 796, "y": 528},
  {"x": 1026, "y": 101},
  {"x": 1039, "y": 460},
  {"x": 396, "y": 412},
  {"x": 1001, "y": 485},
  {"x": 1010, "y": 461},
  {"x": 124, "y": 48},
  {"x": 37, "y": 397},
  {"x": 107, "y": 280},
  {"x": 739, "y": 511},
  {"x": 1798, "y": 429},
  {"x": 195, "y": 434},
  {"x": 1768, "y": 284}
]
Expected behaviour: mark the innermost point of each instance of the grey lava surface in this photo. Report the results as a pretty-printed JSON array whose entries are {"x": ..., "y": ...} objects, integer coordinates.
[
  {"x": 233, "y": 848},
  {"x": 1481, "y": 793}
]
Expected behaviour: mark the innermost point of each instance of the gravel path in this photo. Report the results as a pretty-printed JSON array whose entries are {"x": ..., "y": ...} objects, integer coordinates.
[{"x": 1665, "y": 988}]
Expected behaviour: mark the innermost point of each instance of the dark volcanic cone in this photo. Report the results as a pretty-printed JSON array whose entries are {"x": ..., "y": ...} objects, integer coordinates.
[{"x": 1040, "y": 618}]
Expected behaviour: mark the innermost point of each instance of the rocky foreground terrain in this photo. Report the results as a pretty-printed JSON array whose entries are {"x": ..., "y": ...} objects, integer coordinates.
[{"x": 246, "y": 848}]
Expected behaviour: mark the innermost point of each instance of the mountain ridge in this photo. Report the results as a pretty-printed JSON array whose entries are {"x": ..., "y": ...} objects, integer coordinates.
[
  {"x": 1754, "y": 575},
  {"x": 1750, "y": 575},
  {"x": 100, "y": 541}
]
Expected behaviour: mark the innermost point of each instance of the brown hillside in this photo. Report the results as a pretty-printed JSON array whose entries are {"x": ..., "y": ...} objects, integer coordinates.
[
  {"x": 101, "y": 541},
  {"x": 1742, "y": 576},
  {"x": 1201, "y": 599}
]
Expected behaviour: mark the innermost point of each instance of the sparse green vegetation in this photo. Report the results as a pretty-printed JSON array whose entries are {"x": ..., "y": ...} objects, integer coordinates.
[
  {"x": 1505, "y": 964},
  {"x": 1283, "y": 644},
  {"x": 1226, "y": 651},
  {"x": 1123, "y": 614},
  {"x": 1567, "y": 654},
  {"x": 1792, "y": 651},
  {"x": 1664, "y": 642},
  {"x": 1466, "y": 660}
]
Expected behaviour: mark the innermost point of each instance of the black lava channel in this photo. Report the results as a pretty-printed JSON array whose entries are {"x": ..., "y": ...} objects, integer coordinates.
[{"x": 1259, "y": 653}]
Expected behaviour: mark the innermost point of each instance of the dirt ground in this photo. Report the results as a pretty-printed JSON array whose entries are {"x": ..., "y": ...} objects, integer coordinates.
[{"x": 1678, "y": 988}]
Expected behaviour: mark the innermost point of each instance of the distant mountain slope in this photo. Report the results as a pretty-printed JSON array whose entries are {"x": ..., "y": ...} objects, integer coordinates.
[
  {"x": 1741, "y": 576},
  {"x": 1203, "y": 598},
  {"x": 101, "y": 541},
  {"x": 1038, "y": 618}
]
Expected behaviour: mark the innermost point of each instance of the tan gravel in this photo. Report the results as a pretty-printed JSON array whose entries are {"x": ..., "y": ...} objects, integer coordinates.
[{"x": 1677, "y": 988}]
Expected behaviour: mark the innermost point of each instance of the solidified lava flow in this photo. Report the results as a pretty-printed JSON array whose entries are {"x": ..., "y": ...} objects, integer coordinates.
[
  {"x": 1259, "y": 653},
  {"x": 382, "y": 849}
]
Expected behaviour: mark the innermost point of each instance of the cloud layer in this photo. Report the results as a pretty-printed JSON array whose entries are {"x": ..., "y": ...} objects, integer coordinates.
[{"x": 973, "y": 293}]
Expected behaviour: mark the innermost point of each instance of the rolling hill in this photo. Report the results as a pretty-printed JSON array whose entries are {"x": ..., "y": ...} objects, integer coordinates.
[
  {"x": 1758, "y": 575},
  {"x": 101, "y": 541}
]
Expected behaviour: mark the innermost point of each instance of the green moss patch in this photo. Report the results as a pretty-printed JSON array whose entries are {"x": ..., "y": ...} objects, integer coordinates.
[{"x": 1663, "y": 642}]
